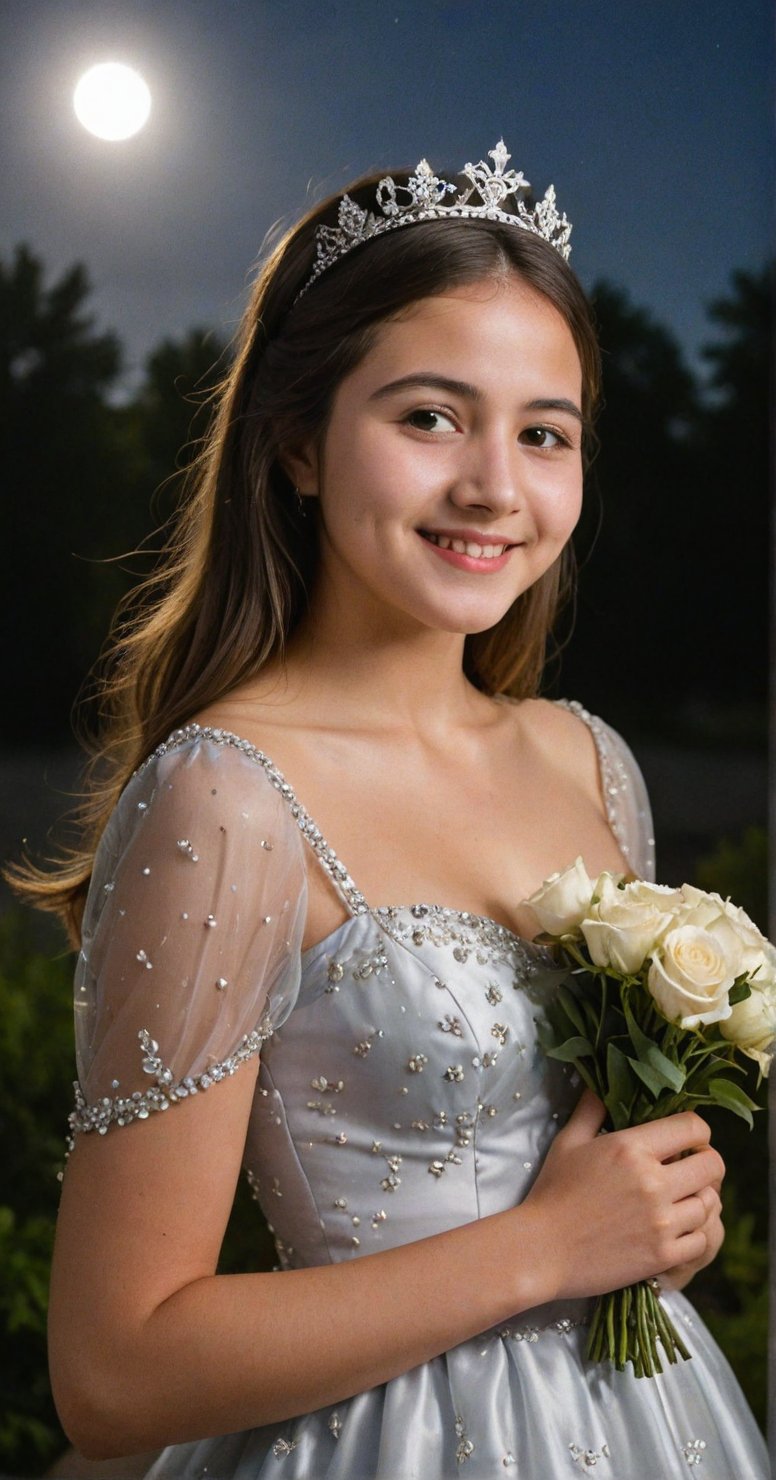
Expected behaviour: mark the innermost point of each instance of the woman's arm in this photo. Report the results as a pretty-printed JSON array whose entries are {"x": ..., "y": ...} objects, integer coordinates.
[{"x": 149, "y": 1346}]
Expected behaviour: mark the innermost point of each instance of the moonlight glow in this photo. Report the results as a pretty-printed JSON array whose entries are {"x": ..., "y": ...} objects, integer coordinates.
[{"x": 112, "y": 101}]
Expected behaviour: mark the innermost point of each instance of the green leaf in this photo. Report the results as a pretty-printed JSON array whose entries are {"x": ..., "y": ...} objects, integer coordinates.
[
  {"x": 570, "y": 1005},
  {"x": 592, "y": 1010},
  {"x": 698, "y": 1079},
  {"x": 654, "y": 1082},
  {"x": 621, "y": 1092},
  {"x": 732, "y": 1097},
  {"x": 648, "y": 1053},
  {"x": 739, "y": 992},
  {"x": 573, "y": 1048}
]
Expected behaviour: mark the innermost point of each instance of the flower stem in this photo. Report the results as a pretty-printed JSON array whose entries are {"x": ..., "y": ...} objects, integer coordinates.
[
  {"x": 627, "y": 1325},
  {"x": 625, "y": 1310}
]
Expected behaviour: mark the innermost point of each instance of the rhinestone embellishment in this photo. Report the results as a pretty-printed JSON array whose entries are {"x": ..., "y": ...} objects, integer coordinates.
[
  {"x": 487, "y": 191},
  {"x": 588, "y": 1457},
  {"x": 165, "y": 1092},
  {"x": 282, "y": 1447},
  {"x": 465, "y": 1447}
]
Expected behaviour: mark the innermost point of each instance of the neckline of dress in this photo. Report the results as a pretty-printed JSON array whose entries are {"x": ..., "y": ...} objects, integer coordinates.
[
  {"x": 384, "y": 916},
  {"x": 355, "y": 902},
  {"x": 345, "y": 886}
]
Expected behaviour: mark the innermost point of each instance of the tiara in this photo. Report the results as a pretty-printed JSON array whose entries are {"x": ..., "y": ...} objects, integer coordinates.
[{"x": 422, "y": 199}]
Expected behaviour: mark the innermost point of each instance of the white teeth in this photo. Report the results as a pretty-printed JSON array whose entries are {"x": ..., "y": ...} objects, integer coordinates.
[{"x": 467, "y": 547}]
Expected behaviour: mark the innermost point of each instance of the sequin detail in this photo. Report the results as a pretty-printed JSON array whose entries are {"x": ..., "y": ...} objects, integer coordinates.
[
  {"x": 693, "y": 1451},
  {"x": 452, "y": 1025},
  {"x": 465, "y": 1446},
  {"x": 588, "y": 1457},
  {"x": 615, "y": 782},
  {"x": 531, "y": 1334},
  {"x": 166, "y": 1091},
  {"x": 467, "y": 934},
  {"x": 337, "y": 872},
  {"x": 282, "y": 1447}
]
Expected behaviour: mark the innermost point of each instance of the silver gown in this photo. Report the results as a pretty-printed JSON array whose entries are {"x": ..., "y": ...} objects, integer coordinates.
[{"x": 402, "y": 1092}]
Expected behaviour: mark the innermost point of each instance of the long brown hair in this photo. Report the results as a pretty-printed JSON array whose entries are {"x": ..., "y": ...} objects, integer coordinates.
[{"x": 234, "y": 579}]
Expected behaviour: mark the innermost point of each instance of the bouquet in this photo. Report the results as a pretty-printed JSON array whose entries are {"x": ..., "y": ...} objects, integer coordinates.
[{"x": 667, "y": 990}]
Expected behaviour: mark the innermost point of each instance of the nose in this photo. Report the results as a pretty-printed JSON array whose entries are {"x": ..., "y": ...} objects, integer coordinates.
[{"x": 490, "y": 477}]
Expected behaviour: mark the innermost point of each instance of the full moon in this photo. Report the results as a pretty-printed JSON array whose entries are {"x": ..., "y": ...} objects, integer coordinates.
[{"x": 112, "y": 101}]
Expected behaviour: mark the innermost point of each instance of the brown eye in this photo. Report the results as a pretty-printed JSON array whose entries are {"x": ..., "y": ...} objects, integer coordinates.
[
  {"x": 425, "y": 419},
  {"x": 543, "y": 437}
]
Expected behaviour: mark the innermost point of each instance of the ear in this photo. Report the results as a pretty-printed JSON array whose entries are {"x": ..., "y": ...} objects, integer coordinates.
[{"x": 300, "y": 464}]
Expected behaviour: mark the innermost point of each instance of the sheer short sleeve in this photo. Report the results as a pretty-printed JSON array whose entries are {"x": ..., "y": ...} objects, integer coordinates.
[
  {"x": 625, "y": 793},
  {"x": 191, "y": 947}
]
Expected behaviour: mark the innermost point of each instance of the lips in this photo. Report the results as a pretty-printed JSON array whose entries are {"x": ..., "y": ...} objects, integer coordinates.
[
  {"x": 475, "y": 545},
  {"x": 482, "y": 556}
]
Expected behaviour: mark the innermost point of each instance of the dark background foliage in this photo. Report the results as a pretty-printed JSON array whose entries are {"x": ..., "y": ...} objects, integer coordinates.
[{"x": 669, "y": 645}]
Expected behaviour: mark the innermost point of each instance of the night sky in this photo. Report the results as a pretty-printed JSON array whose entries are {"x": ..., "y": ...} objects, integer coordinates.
[{"x": 652, "y": 117}]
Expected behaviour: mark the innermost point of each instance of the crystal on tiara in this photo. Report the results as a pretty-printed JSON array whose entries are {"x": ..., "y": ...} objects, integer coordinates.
[{"x": 423, "y": 199}]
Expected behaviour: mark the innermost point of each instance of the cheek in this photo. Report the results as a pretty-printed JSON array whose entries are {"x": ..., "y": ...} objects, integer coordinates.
[
  {"x": 356, "y": 468},
  {"x": 369, "y": 501},
  {"x": 560, "y": 507},
  {"x": 377, "y": 483}
]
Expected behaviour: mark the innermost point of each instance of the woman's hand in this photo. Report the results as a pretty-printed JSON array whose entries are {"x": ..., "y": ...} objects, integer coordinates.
[
  {"x": 611, "y": 1210},
  {"x": 713, "y": 1229}
]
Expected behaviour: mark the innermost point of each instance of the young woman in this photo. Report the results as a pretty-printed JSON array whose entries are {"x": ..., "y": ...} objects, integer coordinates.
[{"x": 331, "y": 788}]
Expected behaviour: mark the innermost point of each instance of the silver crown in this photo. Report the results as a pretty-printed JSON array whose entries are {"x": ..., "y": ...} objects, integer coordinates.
[{"x": 425, "y": 193}]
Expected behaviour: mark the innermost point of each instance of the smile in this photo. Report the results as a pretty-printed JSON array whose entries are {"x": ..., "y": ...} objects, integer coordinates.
[{"x": 465, "y": 547}]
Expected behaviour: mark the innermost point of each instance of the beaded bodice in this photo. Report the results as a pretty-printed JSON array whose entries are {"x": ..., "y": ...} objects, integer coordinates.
[
  {"x": 406, "y": 1093},
  {"x": 410, "y": 1029}
]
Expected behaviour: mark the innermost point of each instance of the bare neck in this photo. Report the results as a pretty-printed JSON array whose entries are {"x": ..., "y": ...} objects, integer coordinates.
[{"x": 379, "y": 681}]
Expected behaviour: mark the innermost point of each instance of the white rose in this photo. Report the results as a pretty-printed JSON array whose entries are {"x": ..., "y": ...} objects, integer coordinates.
[
  {"x": 563, "y": 899},
  {"x": 691, "y": 975},
  {"x": 726, "y": 920},
  {"x": 662, "y": 896},
  {"x": 766, "y": 971},
  {"x": 752, "y": 1025},
  {"x": 622, "y": 929}
]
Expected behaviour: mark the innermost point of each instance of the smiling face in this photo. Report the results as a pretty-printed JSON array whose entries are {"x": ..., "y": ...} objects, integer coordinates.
[{"x": 450, "y": 475}]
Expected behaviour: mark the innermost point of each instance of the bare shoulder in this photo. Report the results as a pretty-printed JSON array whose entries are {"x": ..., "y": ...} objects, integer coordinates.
[
  {"x": 270, "y": 702},
  {"x": 566, "y": 742}
]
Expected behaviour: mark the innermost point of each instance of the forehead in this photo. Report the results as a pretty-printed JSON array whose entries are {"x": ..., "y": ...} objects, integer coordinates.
[{"x": 484, "y": 332}]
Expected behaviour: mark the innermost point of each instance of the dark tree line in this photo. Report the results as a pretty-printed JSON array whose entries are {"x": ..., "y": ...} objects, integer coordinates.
[{"x": 673, "y": 597}]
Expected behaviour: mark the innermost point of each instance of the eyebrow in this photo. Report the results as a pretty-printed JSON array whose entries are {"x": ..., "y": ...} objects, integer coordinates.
[
  {"x": 470, "y": 392},
  {"x": 558, "y": 403}
]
